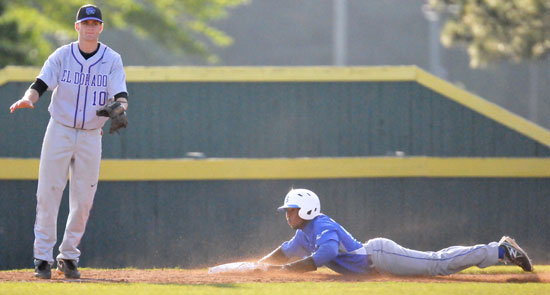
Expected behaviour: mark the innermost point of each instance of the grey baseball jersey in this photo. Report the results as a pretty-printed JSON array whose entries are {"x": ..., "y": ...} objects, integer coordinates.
[{"x": 82, "y": 86}]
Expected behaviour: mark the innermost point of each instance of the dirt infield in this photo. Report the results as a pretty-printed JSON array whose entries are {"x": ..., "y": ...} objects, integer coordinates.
[{"x": 175, "y": 276}]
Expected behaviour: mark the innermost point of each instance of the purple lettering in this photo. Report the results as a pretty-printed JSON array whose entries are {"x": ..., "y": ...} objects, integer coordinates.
[{"x": 76, "y": 77}]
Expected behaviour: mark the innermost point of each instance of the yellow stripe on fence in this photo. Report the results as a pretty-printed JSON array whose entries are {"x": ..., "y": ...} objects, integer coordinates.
[
  {"x": 297, "y": 168},
  {"x": 485, "y": 107}
]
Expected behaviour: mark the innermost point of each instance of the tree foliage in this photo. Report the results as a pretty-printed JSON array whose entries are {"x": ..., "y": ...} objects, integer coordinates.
[
  {"x": 496, "y": 30},
  {"x": 31, "y": 29}
]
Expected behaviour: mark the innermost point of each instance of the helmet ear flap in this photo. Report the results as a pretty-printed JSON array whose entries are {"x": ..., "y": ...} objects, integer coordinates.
[
  {"x": 310, "y": 205},
  {"x": 312, "y": 212}
]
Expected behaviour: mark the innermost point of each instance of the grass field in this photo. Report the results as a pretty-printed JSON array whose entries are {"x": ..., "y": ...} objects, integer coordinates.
[
  {"x": 294, "y": 288},
  {"x": 328, "y": 288}
]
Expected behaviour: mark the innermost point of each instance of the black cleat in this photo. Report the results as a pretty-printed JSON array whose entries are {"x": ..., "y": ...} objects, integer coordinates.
[
  {"x": 68, "y": 267},
  {"x": 42, "y": 269},
  {"x": 514, "y": 254}
]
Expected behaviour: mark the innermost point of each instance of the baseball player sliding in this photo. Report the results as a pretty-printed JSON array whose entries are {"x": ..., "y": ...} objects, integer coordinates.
[
  {"x": 321, "y": 241},
  {"x": 89, "y": 87}
]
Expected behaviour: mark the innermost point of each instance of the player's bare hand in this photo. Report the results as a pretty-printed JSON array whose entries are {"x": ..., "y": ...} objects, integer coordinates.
[{"x": 21, "y": 104}]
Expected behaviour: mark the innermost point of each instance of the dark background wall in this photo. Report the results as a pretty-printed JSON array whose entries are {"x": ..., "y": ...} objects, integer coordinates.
[
  {"x": 301, "y": 119},
  {"x": 199, "y": 223}
]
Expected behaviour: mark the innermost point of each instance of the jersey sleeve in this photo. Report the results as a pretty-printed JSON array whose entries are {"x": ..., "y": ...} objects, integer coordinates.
[
  {"x": 51, "y": 70},
  {"x": 117, "y": 78},
  {"x": 327, "y": 235},
  {"x": 327, "y": 246},
  {"x": 326, "y": 252},
  {"x": 294, "y": 247}
]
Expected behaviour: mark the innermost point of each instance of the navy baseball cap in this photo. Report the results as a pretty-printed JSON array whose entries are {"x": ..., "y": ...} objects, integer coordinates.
[{"x": 87, "y": 12}]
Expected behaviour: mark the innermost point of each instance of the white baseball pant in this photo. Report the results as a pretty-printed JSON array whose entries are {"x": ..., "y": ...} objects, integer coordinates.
[
  {"x": 390, "y": 258},
  {"x": 65, "y": 150}
]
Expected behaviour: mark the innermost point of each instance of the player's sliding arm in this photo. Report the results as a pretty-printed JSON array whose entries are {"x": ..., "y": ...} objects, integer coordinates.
[
  {"x": 325, "y": 253},
  {"x": 274, "y": 260},
  {"x": 275, "y": 257}
]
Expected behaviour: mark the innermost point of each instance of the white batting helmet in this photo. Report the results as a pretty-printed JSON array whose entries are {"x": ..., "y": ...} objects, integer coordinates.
[{"x": 306, "y": 200}]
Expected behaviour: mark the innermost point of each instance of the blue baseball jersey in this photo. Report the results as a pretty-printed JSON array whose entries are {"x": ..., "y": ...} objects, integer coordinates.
[{"x": 329, "y": 244}]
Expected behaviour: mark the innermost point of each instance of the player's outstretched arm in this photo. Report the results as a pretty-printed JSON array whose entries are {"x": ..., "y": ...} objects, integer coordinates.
[
  {"x": 27, "y": 101},
  {"x": 303, "y": 265},
  {"x": 275, "y": 257},
  {"x": 326, "y": 252}
]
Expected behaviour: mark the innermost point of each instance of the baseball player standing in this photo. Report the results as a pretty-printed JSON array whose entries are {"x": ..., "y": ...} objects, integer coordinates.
[
  {"x": 89, "y": 86},
  {"x": 320, "y": 241}
]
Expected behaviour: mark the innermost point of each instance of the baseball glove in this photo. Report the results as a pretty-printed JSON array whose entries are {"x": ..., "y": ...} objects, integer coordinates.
[{"x": 116, "y": 112}]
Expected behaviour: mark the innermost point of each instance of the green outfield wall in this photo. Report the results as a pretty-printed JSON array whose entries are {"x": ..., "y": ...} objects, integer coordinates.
[
  {"x": 196, "y": 223},
  {"x": 391, "y": 151}
]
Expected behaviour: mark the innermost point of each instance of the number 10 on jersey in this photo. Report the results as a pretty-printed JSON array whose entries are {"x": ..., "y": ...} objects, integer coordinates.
[{"x": 100, "y": 99}]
